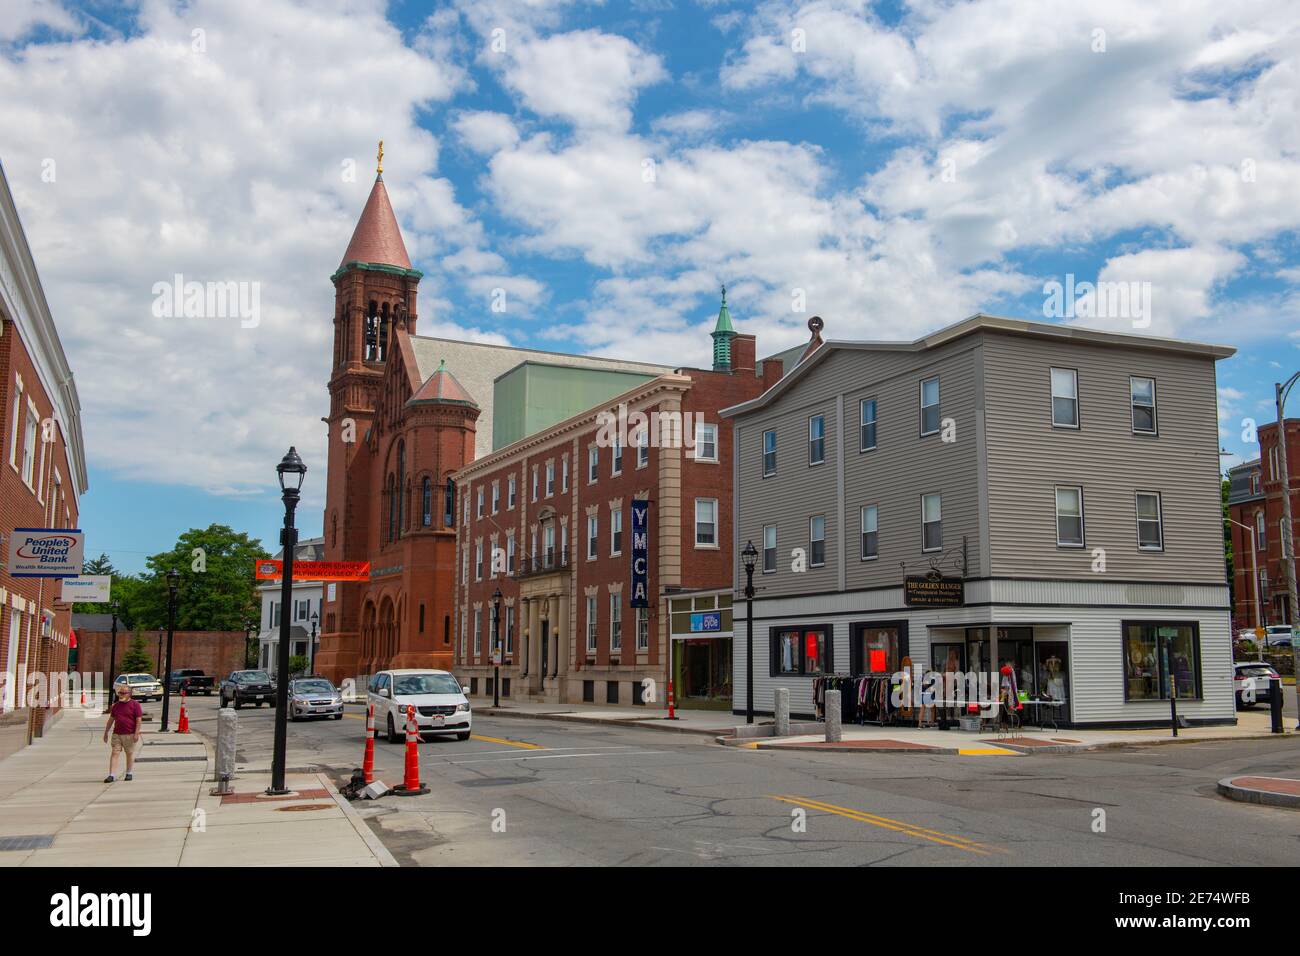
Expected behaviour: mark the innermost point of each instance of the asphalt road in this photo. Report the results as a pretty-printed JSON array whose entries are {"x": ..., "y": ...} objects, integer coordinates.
[{"x": 533, "y": 792}]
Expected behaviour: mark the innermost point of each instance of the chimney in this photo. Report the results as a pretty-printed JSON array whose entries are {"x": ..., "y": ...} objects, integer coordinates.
[{"x": 744, "y": 348}]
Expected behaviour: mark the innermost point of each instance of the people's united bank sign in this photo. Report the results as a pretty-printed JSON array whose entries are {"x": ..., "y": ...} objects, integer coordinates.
[{"x": 45, "y": 552}]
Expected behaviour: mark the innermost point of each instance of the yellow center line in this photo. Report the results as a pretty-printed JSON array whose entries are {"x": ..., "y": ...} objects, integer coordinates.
[
  {"x": 935, "y": 836},
  {"x": 987, "y": 751},
  {"x": 509, "y": 743}
]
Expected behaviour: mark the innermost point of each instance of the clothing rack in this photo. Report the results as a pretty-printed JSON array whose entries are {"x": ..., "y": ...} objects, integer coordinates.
[{"x": 864, "y": 698}]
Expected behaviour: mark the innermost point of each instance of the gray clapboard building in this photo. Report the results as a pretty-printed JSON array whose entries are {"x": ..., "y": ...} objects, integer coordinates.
[{"x": 999, "y": 493}]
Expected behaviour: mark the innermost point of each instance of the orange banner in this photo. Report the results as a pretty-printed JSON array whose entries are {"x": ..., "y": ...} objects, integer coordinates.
[{"x": 271, "y": 569}]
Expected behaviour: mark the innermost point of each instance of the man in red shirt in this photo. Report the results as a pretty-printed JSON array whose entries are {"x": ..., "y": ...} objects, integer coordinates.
[{"x": 124, "y": 721}]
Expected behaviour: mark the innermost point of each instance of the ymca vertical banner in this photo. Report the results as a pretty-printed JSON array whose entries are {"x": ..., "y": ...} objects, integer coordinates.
[{"x": 640, "y": 553}]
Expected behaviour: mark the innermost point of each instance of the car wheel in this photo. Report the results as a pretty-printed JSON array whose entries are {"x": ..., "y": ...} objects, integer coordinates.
[
  {"x": 393, "y": 738},
  {"x": 463, "y": 736},
  {"x": 338, "y": 716},
  {"x": 238, "y": 705}
]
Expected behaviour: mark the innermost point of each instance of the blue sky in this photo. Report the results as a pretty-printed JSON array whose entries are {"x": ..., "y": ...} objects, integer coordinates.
[{"x": 898, "y": 165}]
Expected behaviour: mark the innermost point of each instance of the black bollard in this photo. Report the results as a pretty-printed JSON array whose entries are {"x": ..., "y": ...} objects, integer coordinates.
[
  {"x": 1275, "y": 703},
  {"x": 1173, "y": 704}
]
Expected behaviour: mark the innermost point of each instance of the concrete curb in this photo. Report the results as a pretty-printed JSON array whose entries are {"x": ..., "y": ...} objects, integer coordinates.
[
  {"x": 363, "y": 830},
  {"x": 1227, "y": 788},
  {"x": 600, "y": 721}
]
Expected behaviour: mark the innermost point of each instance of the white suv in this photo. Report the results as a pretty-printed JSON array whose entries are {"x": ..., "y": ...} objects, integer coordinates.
[{"x": 440, "y": 705}]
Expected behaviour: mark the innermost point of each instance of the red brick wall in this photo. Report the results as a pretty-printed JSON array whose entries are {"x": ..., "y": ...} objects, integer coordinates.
[
  {"x": 216, "y": 653},
  {"x": 1269, "y": 557}
]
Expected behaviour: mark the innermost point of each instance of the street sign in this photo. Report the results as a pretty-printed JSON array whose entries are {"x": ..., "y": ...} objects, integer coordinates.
[
  {"x": 934, "y": 591},
  {"x": 91, "y": 588},
  {"x": 706, "y": 621},
  {"x": 271, "y": 569},
  {"x": 45, "y": 552}
]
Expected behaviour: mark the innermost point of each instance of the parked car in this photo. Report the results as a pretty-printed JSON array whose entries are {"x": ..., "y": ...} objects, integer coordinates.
[
  {"x": 440, "y": 705},
  {"x": 191, "y": 680},
  {"x": 314, "y": 697},
  {"x": 143, "y": 686},
  {"x": 1251, "y": 682},
  {"x": 1277, "y": 635},
  {"x": 247, "y": 687}
]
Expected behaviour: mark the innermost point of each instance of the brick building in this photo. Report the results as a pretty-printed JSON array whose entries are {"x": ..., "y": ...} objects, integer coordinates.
[
  {"x": 42, "y": 477},
  {"x": 548, "y": 520},
  {"x": 216, "y": 653},
  {"x": 1255, "y": 500}
]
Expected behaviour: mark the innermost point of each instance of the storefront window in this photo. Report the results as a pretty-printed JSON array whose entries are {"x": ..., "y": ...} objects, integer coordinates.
[
  {"x": 1054, "y": 669},
  {"x": 801, "y": 650},
  {"x": 947, "y": 657},
  {"x": 1157, "y": 655},
  {"x": 878, "y": 648}
]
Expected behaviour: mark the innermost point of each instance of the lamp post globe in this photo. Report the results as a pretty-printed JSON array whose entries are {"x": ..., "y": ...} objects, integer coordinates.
[
  {"x": 291, "y": 472},
  {"x": 748, "y": 558}
]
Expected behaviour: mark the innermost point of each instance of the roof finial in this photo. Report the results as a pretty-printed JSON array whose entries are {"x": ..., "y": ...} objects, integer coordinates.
[
  {"x": 724, "y": 294},
  {"x": 380, "y": 161}
]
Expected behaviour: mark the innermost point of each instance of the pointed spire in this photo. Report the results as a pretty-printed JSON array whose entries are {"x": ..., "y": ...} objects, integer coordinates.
[
  {"x": 377, "y": 238},
  {"x": 723, "y": 333},
  {"x": 442, "y": 386}
]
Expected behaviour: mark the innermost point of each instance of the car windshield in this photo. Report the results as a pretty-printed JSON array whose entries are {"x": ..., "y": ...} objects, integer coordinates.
[
  {"x": 412, "y": 684},
  {"x": 253, "y": 677},
  {"x": 313, "y": 687},
  {"x": 140, "y": 679},
  {"x": 1257, "y": 670}
]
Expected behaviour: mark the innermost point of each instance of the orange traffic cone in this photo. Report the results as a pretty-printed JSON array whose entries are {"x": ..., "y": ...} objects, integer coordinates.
[
  {"x": 183, "y": 724},
  {"x": 368, "y": 762},
  {"x": 411, "y": 786},
  {"x": 83, "y": 697},
  {"x": 672, "y": 711}
]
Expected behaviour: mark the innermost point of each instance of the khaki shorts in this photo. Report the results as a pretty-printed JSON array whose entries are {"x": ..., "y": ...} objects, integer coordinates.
[{"x": 124, "y": 742}]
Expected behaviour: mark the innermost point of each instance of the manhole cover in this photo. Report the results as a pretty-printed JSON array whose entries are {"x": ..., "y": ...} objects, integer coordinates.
[
  {"x": 38, "y": 842},
  {"x": 305, "y": 806}
]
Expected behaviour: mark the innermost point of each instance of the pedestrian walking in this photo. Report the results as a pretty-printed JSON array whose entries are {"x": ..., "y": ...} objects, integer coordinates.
[{"x": 124, "y": 719}]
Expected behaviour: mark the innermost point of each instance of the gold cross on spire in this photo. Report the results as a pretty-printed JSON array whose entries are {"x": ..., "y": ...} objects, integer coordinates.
[{"x": 380, "y": 161}]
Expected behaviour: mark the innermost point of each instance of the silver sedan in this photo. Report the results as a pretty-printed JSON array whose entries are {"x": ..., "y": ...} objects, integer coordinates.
[{"x": 314, "y": 697}]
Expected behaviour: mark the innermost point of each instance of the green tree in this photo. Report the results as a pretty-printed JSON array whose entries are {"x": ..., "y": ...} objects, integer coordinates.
[
  {"x": 297, "y": 665},
  {"x": 216, "y": 589},
  {"x": 124, "y": 590},
  {"x": 136, "y": 659}
]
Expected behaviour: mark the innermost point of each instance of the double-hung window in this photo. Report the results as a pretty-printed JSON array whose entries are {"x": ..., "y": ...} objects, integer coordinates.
[
  {"x": 510, "y": 553},
  {"x": 616, "y": 532},
  {"x": 616, "y": 457},
  {"x": 817, "y": 541},
  {"x": 816, "y": 439},
  {"x": 1142, "y": 398},
  {"x": 29, "y": 447},
  {"x": 1261, "y": 531},
  {"x": 550, "y": 478},
  {"x": 706, "y": 522},
  {"x": 478, "y": 561},
  {"x": 1069, "y": 516},
  {"x": 870, "y": 533},
  {"x": 867, "y": 424},
  {"x": 769, "y": 548},
  {"x": 534, "y": 483},
  {"x": 642, "y": 448},
  {"x": 930, "y": 406},
  {"x": 510, "y": 493},
  {"x": 593, "y": 464},
  {"x": 769, "y": 453},
  {"x": 931, "y": 523},
  {"x": 643, "y": 629},
  {"x": 615, "y": 622},
  {"x": 593, "y": 533},
  {"x": 706, "y": 442},
  {"x": 591, "y": 624},
  {"x": 1150, "y": 529},
  {"x": 1065, "y": 398},
  {"x": 510, "y": 629},
  {"x": 564, "y": 474},
  {"x": 478, "y": 504},
  {"x": 496, "y": 496}
]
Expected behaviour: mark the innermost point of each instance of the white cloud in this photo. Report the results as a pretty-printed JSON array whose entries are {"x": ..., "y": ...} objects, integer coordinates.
[
  {"x": 485, "y": 132},
  {"x": 22, "y": 16}
]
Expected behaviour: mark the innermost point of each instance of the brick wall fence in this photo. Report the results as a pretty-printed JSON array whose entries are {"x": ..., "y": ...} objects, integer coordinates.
[{"x": 216, "y": 653}]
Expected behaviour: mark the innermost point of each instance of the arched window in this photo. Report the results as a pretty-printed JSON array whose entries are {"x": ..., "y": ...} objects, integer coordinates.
[
  {"x": 426, "y": 501},
  {"x": 449, "y": 504},
  {"x": 401, "y": 486},
  {"x": 392, "y": 508}
]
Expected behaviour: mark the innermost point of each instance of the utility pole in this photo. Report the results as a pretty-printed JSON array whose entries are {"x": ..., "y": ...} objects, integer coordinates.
[{"x": 1288, "y": 534}]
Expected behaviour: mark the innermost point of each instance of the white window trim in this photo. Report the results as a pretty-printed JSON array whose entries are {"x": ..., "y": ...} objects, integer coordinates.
[
  {"x": 699, "y": 443},
  {"x": 938, "y": 405},
  {"x": 615, "y": 460},
  {"x": 593, "y": 540},
  {"x": 822, "y": 459},
  {"x": 17, "y": 423},
  {"x": 642, "y": 616},
  {"x": 1052, "y": 396},
  {"x": 593, "y": 464},
  {"x": 550, "y": 479},
  {"x": 811, "y": 539},
  {"x": 615, "y": 527},
  {"x": 862, "y": 408},
  {"x": 1083, "y": 525},
  {"x": 763, "y": 449},
  {"x": 1160, "y": 521},
  {"x": 717, "y": 532},
  {"x": 763, "y": 550},
  {"x": 862, "y": 532},
  {"x": 1155, "y": 406},
  {"x": 931, "y": 494},
  {"x": 564, "y": 474},
  {"x": 593, "y": 623}
]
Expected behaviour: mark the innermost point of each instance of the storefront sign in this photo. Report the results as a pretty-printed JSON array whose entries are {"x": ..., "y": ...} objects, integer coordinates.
[
  {"x": 934, "y": 592},
  {"x": 45, "y": 552},
  {"x": 706, "y": 621},
  {"x": 640, "y": 554},
  {"x": 92, "y": 588},
  {"x": 271, "y": 569}
]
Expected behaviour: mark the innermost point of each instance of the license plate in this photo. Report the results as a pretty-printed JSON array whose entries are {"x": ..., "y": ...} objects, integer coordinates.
[{"x": 437, "y": 721}]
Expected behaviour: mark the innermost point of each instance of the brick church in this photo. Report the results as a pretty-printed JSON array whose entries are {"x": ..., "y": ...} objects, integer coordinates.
[{"x": 406, "y": 412}]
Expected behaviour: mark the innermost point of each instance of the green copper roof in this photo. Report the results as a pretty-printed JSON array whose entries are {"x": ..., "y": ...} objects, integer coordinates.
[
  {"x": 723, "y": 333},
  {"x": 724, "y": 316}
]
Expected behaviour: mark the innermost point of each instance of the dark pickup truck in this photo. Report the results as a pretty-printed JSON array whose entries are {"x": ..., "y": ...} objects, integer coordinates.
[
  {"x": 247, "y": 687},
  {"x": 192, "y": 681}
]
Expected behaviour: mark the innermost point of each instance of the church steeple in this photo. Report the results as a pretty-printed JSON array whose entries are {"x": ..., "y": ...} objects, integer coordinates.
[
  {"x": 377, "y": 240},
  {"x": 722, "y": 334}
]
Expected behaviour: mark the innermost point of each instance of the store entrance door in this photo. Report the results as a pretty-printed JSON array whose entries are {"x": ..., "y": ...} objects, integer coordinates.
[{"x": 703, "y": 673}]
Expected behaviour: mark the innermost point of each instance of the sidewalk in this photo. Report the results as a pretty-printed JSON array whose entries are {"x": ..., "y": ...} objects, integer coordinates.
[
  {"x": 56, "y": 811},
  {"x": 857, "y": 738}
]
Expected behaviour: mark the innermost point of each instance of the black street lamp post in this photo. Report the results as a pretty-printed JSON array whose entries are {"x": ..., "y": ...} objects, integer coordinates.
[
  {"x": 291, "y": 471},
  {"x": 173, "y": 578},
  {"x": 496, "y": 648},
  {"x": 112, "y": 660},
  {"x": 749, "y": 556},
  {"x": 311, "y": 645}
]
